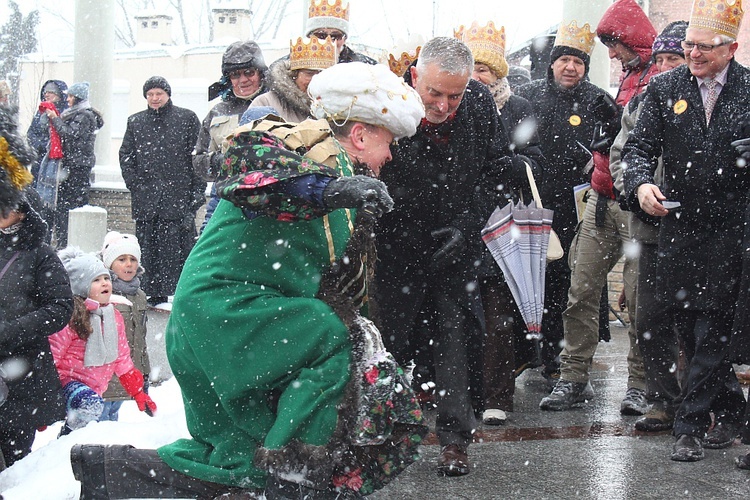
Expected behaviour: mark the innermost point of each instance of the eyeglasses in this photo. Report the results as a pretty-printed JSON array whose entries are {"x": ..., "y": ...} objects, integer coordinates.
[
  {"x": 322, "y": 35},
  {"x": 702, "y": 47},
  {"x": 247, "y": 73}
]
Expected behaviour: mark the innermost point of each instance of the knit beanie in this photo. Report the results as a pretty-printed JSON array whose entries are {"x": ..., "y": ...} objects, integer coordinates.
[
  {"x": 116, "y": 244},
  {"x": 563, "y": 50},
  {"x": 82, "y": 269},
  {"x": 80, "y": 90},
  {"x": 670, "y": 39},
  {"x": 157, "y": 82}
]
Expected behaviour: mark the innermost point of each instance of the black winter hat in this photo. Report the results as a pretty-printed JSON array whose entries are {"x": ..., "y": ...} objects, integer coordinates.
[
  {"x": 157, "y": 82},
  {"x": 242, "y": 55},
  {"x": 15, "y": 156},
  {"x": 563, "y": 50}
]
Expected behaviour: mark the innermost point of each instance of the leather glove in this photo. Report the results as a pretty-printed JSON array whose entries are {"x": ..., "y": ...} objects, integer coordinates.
[
  {"x": 601, "y": 141},
  {"x": 359, "y": 191},
  {"x": 452, "y": 244},
  {"x": 604, "y": 107},
  {"x": 743, "y": 148}
]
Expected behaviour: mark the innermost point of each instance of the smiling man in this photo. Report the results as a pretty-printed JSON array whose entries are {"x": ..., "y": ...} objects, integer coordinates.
[
  {"x": 330, "y": 18},
  {"x": 691, "y": 115},
  {"x": 429, "y": 246}
]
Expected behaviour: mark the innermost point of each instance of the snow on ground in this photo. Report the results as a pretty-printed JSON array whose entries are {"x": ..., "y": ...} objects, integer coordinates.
[{"x": 46, "y": 472}]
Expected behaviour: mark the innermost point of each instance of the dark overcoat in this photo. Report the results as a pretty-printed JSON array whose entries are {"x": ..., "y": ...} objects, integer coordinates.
[
  {"x": 156, "y": 163},
  {"x": 35, "y": 302},
  {"x": 700, "y": 244}
]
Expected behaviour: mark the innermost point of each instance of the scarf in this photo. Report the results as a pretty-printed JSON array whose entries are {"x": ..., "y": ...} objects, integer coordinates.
[
  {"x": 121, "y": 287},
  {"x": 55, "y": 144},
  {"x": 74, "y": 108},
  {"x": 500, "y": 90},
  {"x": 101, "y": 347}
]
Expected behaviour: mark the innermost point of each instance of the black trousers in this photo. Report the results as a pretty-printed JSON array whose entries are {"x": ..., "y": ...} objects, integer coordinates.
[
  {"x": 711, "y": 384},
  {"x": 656, "y": 335},
  {"x": 165, "y": 246},
  {"x": 16, "y": 441}
]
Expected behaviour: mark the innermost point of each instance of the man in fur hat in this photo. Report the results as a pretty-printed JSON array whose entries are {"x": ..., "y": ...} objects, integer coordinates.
[{"x": 265, "y": 332}]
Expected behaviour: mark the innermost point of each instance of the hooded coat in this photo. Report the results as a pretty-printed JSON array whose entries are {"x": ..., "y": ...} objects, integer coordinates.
[
  {"x": 700, "y": 244},
  {"x": 291, "y": 103},
  {"x": 626, "y": 21},
  {"x": 35, "y": 302},
  {"x": 38, "y": 133}
]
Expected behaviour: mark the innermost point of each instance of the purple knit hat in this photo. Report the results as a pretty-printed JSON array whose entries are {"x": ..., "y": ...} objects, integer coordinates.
[{"x": 670, "y": 39}]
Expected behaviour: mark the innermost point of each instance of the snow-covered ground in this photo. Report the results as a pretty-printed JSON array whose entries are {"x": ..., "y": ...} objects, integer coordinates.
[{"x": 46, "y": 472}]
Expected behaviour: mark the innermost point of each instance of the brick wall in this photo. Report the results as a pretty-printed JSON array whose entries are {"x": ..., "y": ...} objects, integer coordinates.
[{"x": 117, "y": 205}]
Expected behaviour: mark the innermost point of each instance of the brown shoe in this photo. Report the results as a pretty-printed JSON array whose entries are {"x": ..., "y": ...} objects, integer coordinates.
[
  {"x": 453, "y": 461},
  {"x": 657, "y": 419}
]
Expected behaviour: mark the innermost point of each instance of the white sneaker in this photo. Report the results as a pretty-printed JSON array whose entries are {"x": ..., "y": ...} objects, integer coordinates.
[{"x": 494, "y": 417}]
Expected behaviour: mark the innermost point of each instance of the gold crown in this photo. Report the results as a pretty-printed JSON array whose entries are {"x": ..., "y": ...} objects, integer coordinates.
[
  {"x": 578, "y": 38},
  {"x": 487, "y": 45},
  {"x": 400, "y": 65},
  {"x": 311, "y": 53},
  {"x": 324, "y": 8},
  {"x": 721, "y": 16}
]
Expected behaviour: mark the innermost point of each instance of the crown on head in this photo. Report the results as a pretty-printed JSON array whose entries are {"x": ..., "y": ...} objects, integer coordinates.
[
  {"x": 482, "y": 37},
  {"x": 401, "y": 64},
  {"x": 326, "y": 8},
  {"x": 578, "y": 38},
  {"x": 311, "y": 53},
  {"x": 721, "y": 16}
]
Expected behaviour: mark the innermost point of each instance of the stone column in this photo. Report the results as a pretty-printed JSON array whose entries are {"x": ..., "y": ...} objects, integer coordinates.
[
  {"x": 93, "y": 59},
  {"x": 591, "y": 12}
]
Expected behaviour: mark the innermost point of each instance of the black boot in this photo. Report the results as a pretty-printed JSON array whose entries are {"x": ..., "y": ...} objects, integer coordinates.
[{"x": 87, "y": 462}]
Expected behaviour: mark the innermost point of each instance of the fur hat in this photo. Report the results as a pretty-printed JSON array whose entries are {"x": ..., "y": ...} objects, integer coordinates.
[
  {"x": 157, "y": 82},
  {"x": 15, "y": 156},
  {"x": 80, "y": 90},
  {"x": 82, "y": 269},
  {"x": 670, "y": 39},
  {"x": 116, "y": 244},
  {"x": 366, "y": 93}
]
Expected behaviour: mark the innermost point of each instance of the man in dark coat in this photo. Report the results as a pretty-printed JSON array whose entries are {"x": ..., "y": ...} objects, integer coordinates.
[
  {"x": 564, "y": 104},
  {"x": 35, "y": 302},
  {"x": 429, "y": 245},
  {"x": 690, "y": 117},
  {"x": 156, "y": 163}
]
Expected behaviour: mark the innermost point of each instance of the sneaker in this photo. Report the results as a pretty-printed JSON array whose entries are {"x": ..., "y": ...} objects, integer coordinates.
[
  {"x": 551, "y": 378},
  {"x": 687, "y": 449},
  {"x": 634, "y": 403},
  {"x": 566, "y": 394},
  {"x": 657, "y": 419}
]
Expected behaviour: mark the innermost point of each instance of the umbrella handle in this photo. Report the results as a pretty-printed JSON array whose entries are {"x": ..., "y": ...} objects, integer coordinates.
[{"x": 532, "y": 183}]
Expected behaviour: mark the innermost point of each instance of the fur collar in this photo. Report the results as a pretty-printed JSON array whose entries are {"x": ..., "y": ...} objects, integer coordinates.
[{"x": 280, "y": 82}]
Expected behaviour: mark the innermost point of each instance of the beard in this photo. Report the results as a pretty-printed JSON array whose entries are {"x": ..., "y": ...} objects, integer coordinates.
[{"x": 362, "y": 168}]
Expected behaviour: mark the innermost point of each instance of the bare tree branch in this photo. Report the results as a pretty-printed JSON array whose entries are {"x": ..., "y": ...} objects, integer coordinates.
[{"x": 177, "y": 4}]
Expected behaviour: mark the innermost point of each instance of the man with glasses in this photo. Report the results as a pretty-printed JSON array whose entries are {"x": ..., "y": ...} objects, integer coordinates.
[
  {"x": 243, "y": 75},
  {"x": 690, "y": 117},
  {"x": 326, "y": 19}
]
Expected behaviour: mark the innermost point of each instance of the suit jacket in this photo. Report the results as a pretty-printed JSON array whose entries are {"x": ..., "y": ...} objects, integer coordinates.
[{"x": 700, "y": 244}]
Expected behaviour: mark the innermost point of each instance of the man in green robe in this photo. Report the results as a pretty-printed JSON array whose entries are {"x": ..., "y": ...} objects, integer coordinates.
[{"x": 265, "y": 336}]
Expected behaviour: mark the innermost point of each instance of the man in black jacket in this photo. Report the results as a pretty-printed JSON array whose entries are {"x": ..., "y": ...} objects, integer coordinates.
[
  {"x": 443, "y": 182},
  {"x": 689, "y": 118},
  {"x": 156, "y": 163}
]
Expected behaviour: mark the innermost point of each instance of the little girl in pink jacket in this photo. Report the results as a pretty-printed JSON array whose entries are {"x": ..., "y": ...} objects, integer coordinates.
[{"x": 93, "y": 346}]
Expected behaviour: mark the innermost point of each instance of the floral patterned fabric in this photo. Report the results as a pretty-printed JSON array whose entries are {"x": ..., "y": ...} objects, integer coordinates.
[{"x": 255, "y": 170}]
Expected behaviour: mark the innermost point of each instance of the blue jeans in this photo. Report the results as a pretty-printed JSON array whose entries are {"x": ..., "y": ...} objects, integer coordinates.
[{"x": 110, "y": 411}]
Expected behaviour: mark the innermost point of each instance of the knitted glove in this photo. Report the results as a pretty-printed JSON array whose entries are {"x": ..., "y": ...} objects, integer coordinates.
[
  {"x": 452, "y": 244},
  {"x": 132, "y": 382},
  {"x": 359, "y": 191}
]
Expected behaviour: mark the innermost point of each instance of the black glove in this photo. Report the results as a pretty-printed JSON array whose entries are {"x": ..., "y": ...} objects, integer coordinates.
[
  {"x": 601, "y": 140},
  {"x": 359, "y": 191},
  {"x": 216, "y": 161},
  {"x": 743, "y": 148},
  {"x": 604, "y": 107},
  {"x": 452, "y": 244}
]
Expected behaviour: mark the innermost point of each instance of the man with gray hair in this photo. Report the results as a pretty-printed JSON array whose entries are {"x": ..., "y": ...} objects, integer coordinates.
[{"x": 443, "y": 181}]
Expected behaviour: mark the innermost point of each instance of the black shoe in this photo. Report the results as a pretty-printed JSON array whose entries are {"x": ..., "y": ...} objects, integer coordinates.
[
  {"x": 687, "y": 449},
  {"x": 566, "y": 394},
  {"x": 743, "y": 462},
  {"x": 156, "y": 300},
  {"x": 453, "y": 461},
  {"x": 87, "y": 462},
  {"x": 721, "y": 436}
]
